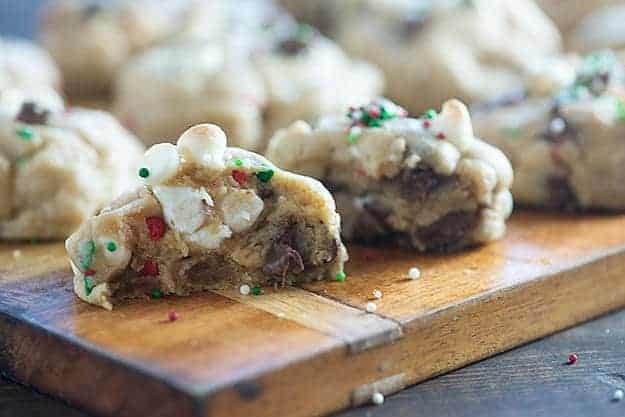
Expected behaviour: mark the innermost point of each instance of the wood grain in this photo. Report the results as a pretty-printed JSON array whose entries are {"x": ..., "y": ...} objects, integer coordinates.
[{"x": 305, "y": 352}]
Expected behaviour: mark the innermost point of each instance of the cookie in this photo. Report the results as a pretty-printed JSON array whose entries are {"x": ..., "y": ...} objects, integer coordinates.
[
  {"x": 58, "y": 167},
  {"x": 164, "y": 91},
  {"x": 25, "y": 65},
  {"x": 602, "y": 29},
  {"x": 430, "y": 51},
  {"x": 91, "y": 39},
  {"x": 425, "y": 183},
  {"x": 568, "y": 14},
  {"x": 208, "y": 216},
  {"x": 564, "y": 134}
]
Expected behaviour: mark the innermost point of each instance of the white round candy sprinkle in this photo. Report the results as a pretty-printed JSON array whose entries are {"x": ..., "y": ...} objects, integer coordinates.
[
  {"x": 414, "y": 273},
  {"x": 377, "y": 398},
  {"x": 377, "y": 294},
  {"x": 371, "y": 307},
  {"x": 618, "y": 395},
  {"x": 244, "y": 289},
  {"x": 160, "y": 163},
  {"x": 203, "y": 144}
]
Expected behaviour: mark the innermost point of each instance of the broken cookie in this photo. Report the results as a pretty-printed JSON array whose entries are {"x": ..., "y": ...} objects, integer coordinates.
[
  {"x": 428, "y": 183},
  {"x": 208, "y": 216}
]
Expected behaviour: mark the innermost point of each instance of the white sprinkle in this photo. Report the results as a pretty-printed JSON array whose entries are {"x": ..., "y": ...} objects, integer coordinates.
[
  {"x": 618, "y": 395},
  {"x": 377, "y": 398},
  {"x": 414, "y": 273},
  {"x": 17, "y": 253},
  {"x": 244, "y": 289},
  {"x": 557, "y": 125},
  {"x": 371, "y": 307},
  {"x": 377, "y": 294}
]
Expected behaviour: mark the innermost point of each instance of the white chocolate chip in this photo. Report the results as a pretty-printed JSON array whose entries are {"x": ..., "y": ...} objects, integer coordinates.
[
  {"x": 210, "y": 237},
  {"x": 371, "y": 307},
  {"x": 454, "y": 122},
  {"x": 244, "y": 289},
  {"x": 377, "y": 294},
  {"x": 184, "y": 208},
  {"x": 240, "y": 209},
  {"x": 414, "y": 273},
  {"x": 204, "y": 145},
  {"x": 160, "y": 164},
  {"x": 377, "y": 398}
]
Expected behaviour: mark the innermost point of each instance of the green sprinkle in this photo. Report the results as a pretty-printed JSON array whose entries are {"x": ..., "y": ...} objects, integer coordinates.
[
  {"x": 111, "y": 246},
  {"x": 265, "y": 176},
  {"x": 238, "y": 162},
  {"x": 144, "y": 172},
  {"x": 156, "y": 293},
  {"x": 430, "y": 114},
  {"x": 25, "y": 133},
  {"x": 385, "y": 114},
  {"x": 89, "y": 286},
  {"x": 304, "y": 32},
  {"x": 85, "y": 254},
  {"x": 340, "y": 276},
  {"x": 354, "y": 134},
  {"x": 257, "y": 290},
  {"x": 620, "y": 110}
]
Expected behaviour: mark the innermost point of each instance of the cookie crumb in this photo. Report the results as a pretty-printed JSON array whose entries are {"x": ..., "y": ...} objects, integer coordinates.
[
  {"x": 17, "y": 253},
  {"x": 245, "y": 289},
  {"x": 377, "y": 398},
  {"x": 371, "y": 307},
  {"x": 618, "y": 395},
  {"x": 173, "y": 316},
  {"x": 414, "y": 273},
  {"x": 377, "y": 294}
]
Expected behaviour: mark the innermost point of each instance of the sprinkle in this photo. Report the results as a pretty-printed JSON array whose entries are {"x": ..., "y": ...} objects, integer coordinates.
[
  {"x": 244, "y": 289},
  {"x": 430, "y": 114},
  {"x": 265, "y": 176},
  {"x": 25, "y": 133},
  {"x": 111, "y": 246},
  {"x": 375, "y": 112},
  {"x": 17, "y": 253},
  {"x": 340, "y": 276},
  {"x": 354, "y": 134},
  {"x": 257, "y": 290},
  {"x": 572, "y": 359},
  {"x": 371, "y": 307},
  {"x": 427, "y": 124},
  {"x": 89, "y": 286},
  {"x": 172, "y": 316},
  {"x": 144, "y": 172},
  {"x": 238, "y": 162},
  {"x": 414, "y": 273},
  {"x": 89, "y": 272},
  {"x": 240, "y": 177},
  {"x": 618, "y": 395},
  {"x": 156, "y": 227},
  {"x": 620, "y": 110},
  {"x": 377, "y": 294},
  {"x": 156, "y": 293},
  {"x": 440, "y": 136},
  {"x": 85, "y": 254},
  {"x": 150, "y": 269},
  {"x": 377, "y": 398}
]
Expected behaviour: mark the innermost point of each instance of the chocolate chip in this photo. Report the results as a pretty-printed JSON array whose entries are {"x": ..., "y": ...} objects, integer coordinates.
[
  {"x": 561, "y": 194},
  {"x": 448, "y": 232},
  {"x": 283, "y": 258},
  {"x": 264, "y": 192},
  {"x": 292, "y": 46},
  {"x": 33, "y": 114},
  {"x": 419, "y": 182}
]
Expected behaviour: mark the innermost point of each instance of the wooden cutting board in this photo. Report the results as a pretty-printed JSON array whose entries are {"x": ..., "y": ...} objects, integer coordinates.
[{"x": 305, "y": 351}]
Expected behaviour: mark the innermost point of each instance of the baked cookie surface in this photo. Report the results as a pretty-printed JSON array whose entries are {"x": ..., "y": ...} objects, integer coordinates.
[
  {"x": 564, "y": 134},
  {"x": 427, "y": 183},
  {"x": 208, "y": 216},
  {"x": 58, "y": 167},
  {"x": 602, "y": 29}
]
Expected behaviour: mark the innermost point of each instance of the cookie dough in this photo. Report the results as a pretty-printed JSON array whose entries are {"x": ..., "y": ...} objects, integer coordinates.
[
  {"x": 168, "y": 89},
  {"x": 564, "y": 134},
  {"x": 91, "y": 39},
  {"x": 602, "y": 29},
  {"x": 430, "y": 51},
  {"x": 208, "y": 216},
  {"x": 425, "y": 183},
  {"x": 58, "y": 167},
  {"x": 568, "y": 13},
  {"x": 25, "y": 65}
]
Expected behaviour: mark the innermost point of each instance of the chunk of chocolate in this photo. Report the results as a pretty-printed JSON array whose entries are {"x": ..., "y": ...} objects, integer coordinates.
[
  {"x": 448, "y": 232},
  {"x": 33, "y": 114},
  {"x": 561, "y": 194},
  {"x": 418, "y": 183},
  {"x": 283, "y": 258}
]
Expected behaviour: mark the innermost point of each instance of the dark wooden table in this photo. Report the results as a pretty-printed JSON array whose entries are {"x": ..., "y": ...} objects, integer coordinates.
[{"x": 532, "y": 381}]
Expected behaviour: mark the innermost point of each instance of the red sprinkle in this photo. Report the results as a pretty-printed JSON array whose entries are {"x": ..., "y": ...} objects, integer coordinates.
[
  {"x": 440, "y": 136},
  {"x": 156, "y": 227},
  {"x": 427, "y": 124},
  {"x": 150, "y": 269},
  {"x": 240, "y": 177},
  {"x": 173, "y": 316},
  {"x": 572, "y": 359},
  {"x": 374, "y": 113},
  {"x": 89, "y": 272}
]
